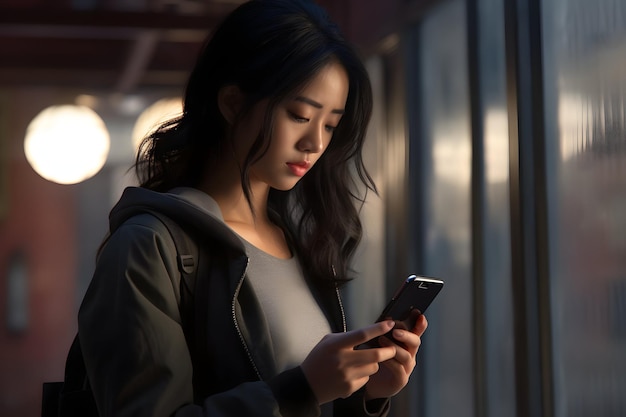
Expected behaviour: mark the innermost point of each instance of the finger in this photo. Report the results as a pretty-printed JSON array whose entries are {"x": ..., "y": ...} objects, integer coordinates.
[
  {"x": 373, "y": 355},
  {"x": 407, "y": 340},
  {"x": 402, "y": 360},
  {"x": 362, "y": 335},
  {"x": 420, "y": 325},
  {"x": 402, "y": 353},
  {"x": 397, "y": 367}
]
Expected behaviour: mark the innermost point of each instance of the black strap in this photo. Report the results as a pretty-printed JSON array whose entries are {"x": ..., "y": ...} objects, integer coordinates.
[{"x": 73, "y": 397}]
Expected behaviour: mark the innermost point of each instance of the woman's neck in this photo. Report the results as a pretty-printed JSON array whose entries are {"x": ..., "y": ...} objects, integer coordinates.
[
  {"x": 248, "y": 219},
  {"x": 224, "y": 186}
]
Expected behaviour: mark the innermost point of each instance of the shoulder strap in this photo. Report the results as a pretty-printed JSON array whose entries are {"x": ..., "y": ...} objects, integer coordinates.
[
  {"x": 186, "y": 256},
  {"x": 188, "y": 259},
  {"x": 73, "y": 397}
]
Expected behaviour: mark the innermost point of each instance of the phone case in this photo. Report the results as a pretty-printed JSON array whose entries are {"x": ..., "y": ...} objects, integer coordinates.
[{"x": 410, "y": 301}]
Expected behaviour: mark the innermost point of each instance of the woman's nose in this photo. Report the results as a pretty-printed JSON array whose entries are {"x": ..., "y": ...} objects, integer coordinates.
[{"x": 313, "y": 141}]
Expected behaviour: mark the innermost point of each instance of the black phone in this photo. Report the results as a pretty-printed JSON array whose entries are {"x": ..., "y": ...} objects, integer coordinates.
[{"x": 410, "y": 301}]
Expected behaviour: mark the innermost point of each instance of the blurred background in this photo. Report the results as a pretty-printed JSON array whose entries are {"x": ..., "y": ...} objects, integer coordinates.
[{"x": 498, "y": 143}]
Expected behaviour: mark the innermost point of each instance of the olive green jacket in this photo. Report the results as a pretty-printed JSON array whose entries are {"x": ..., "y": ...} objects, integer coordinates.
[{"x": 139, "y": 360}]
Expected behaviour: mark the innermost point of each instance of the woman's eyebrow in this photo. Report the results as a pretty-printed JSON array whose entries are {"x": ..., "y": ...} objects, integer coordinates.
[{"x": 317, "y": 105}]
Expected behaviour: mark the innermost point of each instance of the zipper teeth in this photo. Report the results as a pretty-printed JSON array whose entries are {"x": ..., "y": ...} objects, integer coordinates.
[
  {"x": 343, "y": 313},
  {"x": 243, "y": 341},
  {"x": 241, "y": 338}
]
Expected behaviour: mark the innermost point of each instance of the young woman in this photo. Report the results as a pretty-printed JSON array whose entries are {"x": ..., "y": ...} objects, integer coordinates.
[{"x": 261, "y": 170}]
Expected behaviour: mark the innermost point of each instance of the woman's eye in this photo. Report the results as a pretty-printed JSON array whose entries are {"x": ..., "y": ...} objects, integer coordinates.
[
  {"x": 298, "y": 118},
  {"x": 330, "y": 129}
]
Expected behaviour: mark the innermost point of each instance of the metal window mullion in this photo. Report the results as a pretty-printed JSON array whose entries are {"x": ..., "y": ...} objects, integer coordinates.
[
  {"x": 528, "y": 202},
  {"x": 477, "y": 210},
  {"x": 418, "y": 167},
  {"x": 401, "y": 216}
]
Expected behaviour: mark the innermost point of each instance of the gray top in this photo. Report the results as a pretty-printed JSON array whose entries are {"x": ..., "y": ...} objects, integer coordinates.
[{"x": 296, "y": 321}]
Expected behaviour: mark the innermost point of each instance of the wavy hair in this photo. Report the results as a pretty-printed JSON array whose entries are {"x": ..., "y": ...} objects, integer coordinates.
[{"x": 269, "y": 49}]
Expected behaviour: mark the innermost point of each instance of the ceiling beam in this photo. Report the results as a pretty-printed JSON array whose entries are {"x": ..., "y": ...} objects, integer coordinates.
[
  {"x": 21, "y": 21},
  {"x": 92, "y": 79},
  {"x": 138, "y": 60}
]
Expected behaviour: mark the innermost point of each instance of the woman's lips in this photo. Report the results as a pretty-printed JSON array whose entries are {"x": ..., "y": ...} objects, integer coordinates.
[{"x": 299, "y": 168}]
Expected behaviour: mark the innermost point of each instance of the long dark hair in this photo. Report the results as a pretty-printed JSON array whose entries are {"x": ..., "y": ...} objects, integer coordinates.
[{"x": 269, "y": 49}]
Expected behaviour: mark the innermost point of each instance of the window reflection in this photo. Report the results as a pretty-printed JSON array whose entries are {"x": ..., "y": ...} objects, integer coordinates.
[
  {"x": 585, "y": 51},
  {"x": 497, "y": 145},
  {"x": 445, "y": 151}
]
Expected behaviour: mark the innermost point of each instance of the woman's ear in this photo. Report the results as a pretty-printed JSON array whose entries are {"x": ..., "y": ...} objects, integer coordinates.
[{"x": 230, "y": 100}]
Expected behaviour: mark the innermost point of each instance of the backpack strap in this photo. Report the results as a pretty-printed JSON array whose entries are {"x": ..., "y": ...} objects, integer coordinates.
[
  {"x": 73, "y": 396},
  {"x": 189, "y": 265},
  {"x": 186, "y": 259}
]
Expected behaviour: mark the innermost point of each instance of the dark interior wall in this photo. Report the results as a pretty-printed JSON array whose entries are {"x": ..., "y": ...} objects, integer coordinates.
[
  {"x": 366, "y": 22},
  {"x": 39, "y": 225}
]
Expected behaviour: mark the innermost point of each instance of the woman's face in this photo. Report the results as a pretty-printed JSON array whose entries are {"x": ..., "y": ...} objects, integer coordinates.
[{"x": 303, "y": 128}]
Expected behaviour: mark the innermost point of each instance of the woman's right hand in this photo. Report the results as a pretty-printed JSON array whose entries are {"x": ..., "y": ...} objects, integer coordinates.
[{"x": 334, "y": 369}]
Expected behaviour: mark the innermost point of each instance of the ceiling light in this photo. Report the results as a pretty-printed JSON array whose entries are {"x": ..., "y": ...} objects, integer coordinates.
[
  {"x": 67, "y": 144},
  {"x": 155, "y": 115}
]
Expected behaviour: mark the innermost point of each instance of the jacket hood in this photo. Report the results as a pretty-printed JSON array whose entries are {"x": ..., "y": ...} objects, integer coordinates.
[{"x": 195, "y": 211}]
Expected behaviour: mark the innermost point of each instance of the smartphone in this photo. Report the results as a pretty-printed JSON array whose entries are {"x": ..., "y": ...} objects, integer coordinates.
[{"x": 410, "y": 301}]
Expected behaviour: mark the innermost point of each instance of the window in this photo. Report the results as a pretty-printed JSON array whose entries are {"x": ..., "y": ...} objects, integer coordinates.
[
  {"x": 585, "y": 88},
  {"x": 440, "y": 179},
  {"x": 516, "y": 115}
]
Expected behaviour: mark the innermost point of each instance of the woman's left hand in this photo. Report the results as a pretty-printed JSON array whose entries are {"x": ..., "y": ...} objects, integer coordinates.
[{"x": 394, "y": 373}]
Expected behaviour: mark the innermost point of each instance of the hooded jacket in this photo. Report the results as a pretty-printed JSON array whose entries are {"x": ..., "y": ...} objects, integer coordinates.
[{"x": 140, "y": 361}]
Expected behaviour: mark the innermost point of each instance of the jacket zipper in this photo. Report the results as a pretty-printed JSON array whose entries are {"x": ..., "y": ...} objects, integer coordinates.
[
  {"x": 243, "y": 341},
  {"x": 343, "y": 313}
]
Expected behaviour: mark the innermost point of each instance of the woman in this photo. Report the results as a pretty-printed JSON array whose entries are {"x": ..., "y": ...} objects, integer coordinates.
[{"x": 259, "y": 170}]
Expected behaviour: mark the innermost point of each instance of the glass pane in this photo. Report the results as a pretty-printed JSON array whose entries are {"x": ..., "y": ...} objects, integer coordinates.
[
  {"x": 365, "y": 296},
  {"x": 500, "y": 366},
  {"x": 584, "y": 53},
  {"x": 444, "y": 160}
]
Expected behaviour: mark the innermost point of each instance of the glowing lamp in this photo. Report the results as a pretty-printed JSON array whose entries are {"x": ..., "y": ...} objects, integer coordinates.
[
  {"x": 67, "y": 144},
  {"x": 152, "y": 117}
]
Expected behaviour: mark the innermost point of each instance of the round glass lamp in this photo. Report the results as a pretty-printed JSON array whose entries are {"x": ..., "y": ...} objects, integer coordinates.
[
  {"x": 67, "y": 144},
  {"x": 152, "y": 117}
]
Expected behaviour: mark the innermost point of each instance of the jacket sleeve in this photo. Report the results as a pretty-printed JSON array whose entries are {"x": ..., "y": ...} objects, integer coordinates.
[
  {"x": 134, "y": 348},
  {"x": 356, "y": 406}
]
